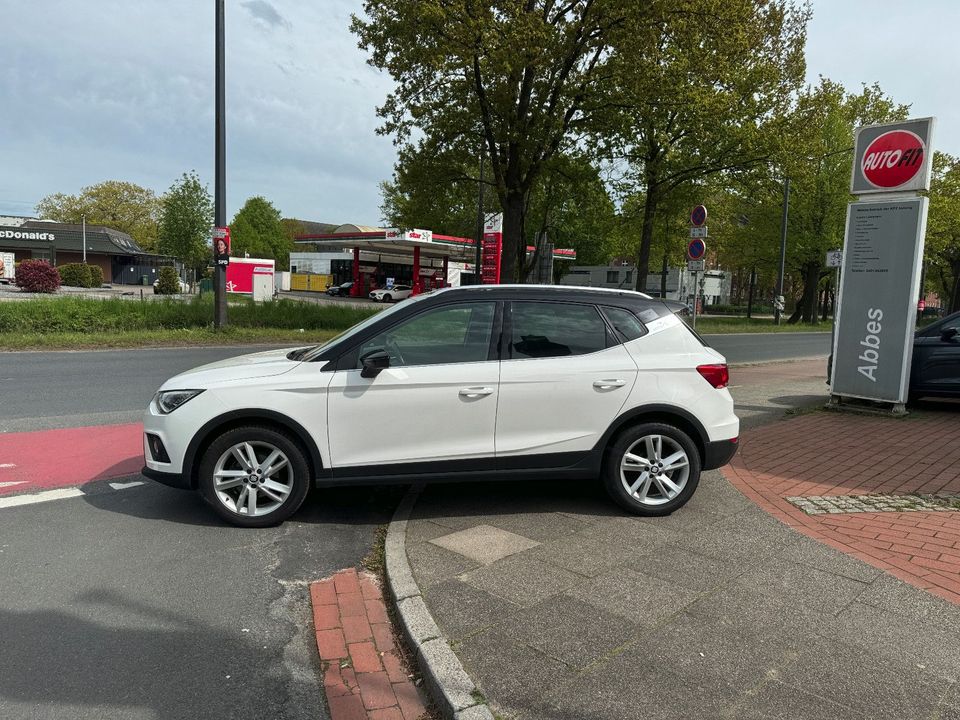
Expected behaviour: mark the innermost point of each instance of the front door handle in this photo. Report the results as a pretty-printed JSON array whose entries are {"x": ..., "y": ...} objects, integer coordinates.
[
  {"x": 475, "y": 392},
  {"x": 607, "y": 384}
]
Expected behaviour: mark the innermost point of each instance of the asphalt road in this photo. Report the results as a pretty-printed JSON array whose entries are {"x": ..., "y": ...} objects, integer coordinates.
[
  {"x": 42, "y": 390},
  {"x": 138, "y": 604}
]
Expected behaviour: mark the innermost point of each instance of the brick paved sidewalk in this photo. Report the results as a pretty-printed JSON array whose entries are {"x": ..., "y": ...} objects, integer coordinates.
[
  {"x": 827, "y": 454},
  {"x": 364, "y": 678}
]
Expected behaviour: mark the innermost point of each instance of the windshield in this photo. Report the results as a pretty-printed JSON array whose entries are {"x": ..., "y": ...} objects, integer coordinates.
[{"x": 349, "y": 332}]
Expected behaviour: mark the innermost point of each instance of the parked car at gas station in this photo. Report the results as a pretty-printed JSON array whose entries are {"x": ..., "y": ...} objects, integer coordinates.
[
  {"x": 341, "y": 290},
  {"x": 391, "y": 294}
]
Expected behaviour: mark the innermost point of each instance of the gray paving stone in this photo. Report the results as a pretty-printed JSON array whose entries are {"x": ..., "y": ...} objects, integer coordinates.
[
  {"x": 540, "y": 526},
  {"x": 748, "y": 537},
  {"x": 902, "y": 639},
  {"x": 484, "y": 544},
  {"x": 515, "y": 678},
  {"x": 461, "y": 609},
  {"x": 521, "y": 579},
  {"x": 423, "y": 530},
  {"x": 873, "y": 687},
  {"x": 569, "y": 630},
  {"x": 686, "y": 568},
  {"x": 776, "y": 701},
  {"x": 581, "y": 554},
  {"x": 823, "y": 557},
  {"x": 803, "y": 585},
  {"x": 639, "y": 598},
  {"x": 892, "y": 595},
  {"x": 630, "y": 534},
  {"x": 432, "y": 565},
  {"x": 623, "y": 690}
]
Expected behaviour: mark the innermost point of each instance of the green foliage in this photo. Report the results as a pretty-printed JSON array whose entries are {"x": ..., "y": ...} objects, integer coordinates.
[
  {"x": 84, "y": 315},
  {"x": 521, "y": 79},
  {"x": 942, "y": 248},
  {"x": 123, "y": 206},
  {"x": 168, "y": 281},
  {"x": 96, "y": 276},
  {"x": 256, "y": 229},
  {"x": 75, "y": 275},
  {"x": 186, "y": 216}
]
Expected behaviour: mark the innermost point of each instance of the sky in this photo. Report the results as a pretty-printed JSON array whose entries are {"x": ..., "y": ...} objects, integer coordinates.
[{"x": 123, "y": 90}]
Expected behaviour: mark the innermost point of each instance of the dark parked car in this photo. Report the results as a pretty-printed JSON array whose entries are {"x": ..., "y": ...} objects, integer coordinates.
[
  {"x": 340, "y": 290},
  {"x": 935, "y": 371},
  {"x": 935, "y": 368}
]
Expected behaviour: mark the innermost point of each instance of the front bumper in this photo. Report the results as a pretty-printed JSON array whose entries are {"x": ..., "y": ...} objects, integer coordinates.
[
  {"x": 719, "y": 453},
  {"x": 180, "y": 481}
]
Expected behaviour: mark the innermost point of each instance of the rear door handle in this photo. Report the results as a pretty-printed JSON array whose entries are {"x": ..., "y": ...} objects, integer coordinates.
[
  {"x": 475, "y": 392},
  {"x": 607, "y": 384}
]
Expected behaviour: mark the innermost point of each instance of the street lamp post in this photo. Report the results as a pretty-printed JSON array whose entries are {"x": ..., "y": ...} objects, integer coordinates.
[
  {"x": 83, "y": 220},
  {"x": 219, "y": 181},
  {"x": 777, "y": 311}
]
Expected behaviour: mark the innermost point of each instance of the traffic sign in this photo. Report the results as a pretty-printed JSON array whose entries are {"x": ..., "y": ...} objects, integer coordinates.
[
  {"x": 834, "y": 258},
  {"x": 698, "y": 232},
  {"x": 698, "y": 215},
  {"x": 696, "y": 249},
  {"x": 696, "y": 265}
]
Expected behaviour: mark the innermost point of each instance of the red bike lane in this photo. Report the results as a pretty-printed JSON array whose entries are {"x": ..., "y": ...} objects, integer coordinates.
[{"x": 45, "y": 459}]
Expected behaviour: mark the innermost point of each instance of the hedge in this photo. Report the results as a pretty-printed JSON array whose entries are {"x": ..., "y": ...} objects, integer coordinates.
[{"x": 37, "y": 276}]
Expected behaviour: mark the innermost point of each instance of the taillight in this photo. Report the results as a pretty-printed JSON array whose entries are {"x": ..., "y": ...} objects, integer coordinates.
[{"x": 717, "y": 375}]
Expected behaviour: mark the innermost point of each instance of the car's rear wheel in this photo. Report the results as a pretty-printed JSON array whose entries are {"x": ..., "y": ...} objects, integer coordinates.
[
  {"x": 387, "y": 298},
  {"x": 652, "y": 469},
  {"x": 254, "y": 476}
]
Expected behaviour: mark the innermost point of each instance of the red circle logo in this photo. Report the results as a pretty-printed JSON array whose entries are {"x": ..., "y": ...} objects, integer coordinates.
[{"x": 892, "y": 159}]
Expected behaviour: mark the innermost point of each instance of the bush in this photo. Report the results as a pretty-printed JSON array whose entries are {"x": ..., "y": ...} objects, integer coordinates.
[
  {"x": 74, "y": 275},
  {"x": 96, "y": 276},
  {"x": 37, "y": 276},
  {"x": 169, "y": 281}
]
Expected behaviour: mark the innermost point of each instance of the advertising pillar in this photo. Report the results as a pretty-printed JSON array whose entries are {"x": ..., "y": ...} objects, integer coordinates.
[
  {"x": 491, "y": 250},
  {"x": 882, "y": 259}
]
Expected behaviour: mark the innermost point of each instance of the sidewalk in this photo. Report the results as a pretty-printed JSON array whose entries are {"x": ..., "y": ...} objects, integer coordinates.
[{"x": 559, "y": 606}]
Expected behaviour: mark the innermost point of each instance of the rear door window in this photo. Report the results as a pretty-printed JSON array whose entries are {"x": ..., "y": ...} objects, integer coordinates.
[{"x": 548, "y": 329}]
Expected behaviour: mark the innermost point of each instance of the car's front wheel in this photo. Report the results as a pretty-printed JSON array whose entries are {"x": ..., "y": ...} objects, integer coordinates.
[
  {"x": 652, "y": 469},
  {"x": 387, "y": 298},
  {"x": 254, "y": 476}
]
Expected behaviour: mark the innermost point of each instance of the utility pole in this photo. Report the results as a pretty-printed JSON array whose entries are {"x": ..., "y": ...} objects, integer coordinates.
[
  {"x": 778, "y": 308},
  {"x": 220, "y": 172},
  {"x": 476, "y": 272},
  {"x": 83, "y": 219}
]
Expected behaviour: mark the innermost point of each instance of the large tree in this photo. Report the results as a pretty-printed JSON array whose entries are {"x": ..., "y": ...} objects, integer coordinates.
[
  {"x": 699, "y": 92},
  {"x": 257, "y": 229},
  {"x": 116, "y": 204},
  {"x": 521, "y": 78},
  {"x": 186, "y": 216}
]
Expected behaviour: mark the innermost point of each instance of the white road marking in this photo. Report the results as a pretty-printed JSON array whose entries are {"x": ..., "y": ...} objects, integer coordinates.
[
  {"x": 7, "y": 465},
  {"x": 46, "y": 496},
  {"x": 11, "y": 483},
  {"x": 124, "y": 486}
]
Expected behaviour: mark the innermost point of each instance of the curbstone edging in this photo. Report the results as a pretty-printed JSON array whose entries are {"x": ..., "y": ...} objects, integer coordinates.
[{"x": 448, "y": 683}]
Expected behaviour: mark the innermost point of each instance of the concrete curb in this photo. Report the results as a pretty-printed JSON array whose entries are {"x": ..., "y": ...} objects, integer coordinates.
[{"x": 449, "y": 685}]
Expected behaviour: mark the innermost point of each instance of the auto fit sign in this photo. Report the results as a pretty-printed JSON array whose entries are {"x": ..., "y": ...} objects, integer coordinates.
[
  {"x": 894, "y": 157},
  {"x": 882, "y": 257}
]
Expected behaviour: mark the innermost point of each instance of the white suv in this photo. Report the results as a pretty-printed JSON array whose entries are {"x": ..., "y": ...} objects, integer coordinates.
[{"x": 513, "y": 382}]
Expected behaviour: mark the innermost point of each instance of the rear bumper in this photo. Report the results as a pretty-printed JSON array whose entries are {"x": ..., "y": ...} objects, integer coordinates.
[
  {"x": 719, "y": 453},
  {"x": 174, "y": 480}
]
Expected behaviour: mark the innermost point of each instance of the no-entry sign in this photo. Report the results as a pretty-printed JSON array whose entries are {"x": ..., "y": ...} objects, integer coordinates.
[{"x": 894, "y": 157}]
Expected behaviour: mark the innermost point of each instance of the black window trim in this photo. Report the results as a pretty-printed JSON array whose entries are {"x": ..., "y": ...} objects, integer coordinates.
[
  {"x": 613, "y": 328},
  {"x": 612, "y": 338}
]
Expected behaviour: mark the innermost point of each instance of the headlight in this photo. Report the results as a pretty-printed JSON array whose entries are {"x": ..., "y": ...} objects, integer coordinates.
[{"x": 170, "y": 400}]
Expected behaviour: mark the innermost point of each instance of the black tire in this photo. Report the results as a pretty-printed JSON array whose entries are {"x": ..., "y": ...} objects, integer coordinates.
[
  {"x": 298, "y": 476},
  {"x": 658, "y": 504},
  {"x": 388, "y": 298}
]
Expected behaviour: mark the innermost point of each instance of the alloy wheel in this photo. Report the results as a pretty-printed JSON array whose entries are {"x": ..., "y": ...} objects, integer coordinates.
[
  {"x": 253, "y": 478},
  {"x": 654, "y": 469}
]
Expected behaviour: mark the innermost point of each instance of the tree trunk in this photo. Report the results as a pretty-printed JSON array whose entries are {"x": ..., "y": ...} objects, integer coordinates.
[
  {"x": 514, "y": 245},
  {"x": 807, "y": 306},
  {"x": 955, "y": 294},
  {"x": 646, "y": 238}
]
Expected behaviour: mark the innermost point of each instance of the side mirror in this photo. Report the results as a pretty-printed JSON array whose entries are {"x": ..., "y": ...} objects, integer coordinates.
[
  {"x": 948, "y": 334},
  {"x": 373, "y": 362}
]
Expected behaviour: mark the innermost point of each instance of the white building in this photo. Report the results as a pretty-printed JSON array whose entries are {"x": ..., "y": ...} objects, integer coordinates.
[{"x": 715, "y": 289}]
